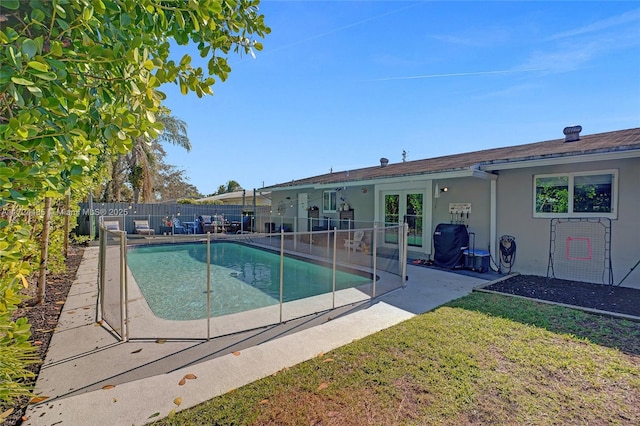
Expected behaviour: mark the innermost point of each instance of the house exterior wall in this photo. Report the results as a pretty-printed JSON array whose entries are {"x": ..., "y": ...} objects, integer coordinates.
[
  {"x": 515, "y": 217},
  {"x": 367, "y": 203},
  {"x": 466, "y": 190},
  {"x": 360, "y": 198},
  {"x": 514, "y": 212},
  {"x": 281, "y": 208}
]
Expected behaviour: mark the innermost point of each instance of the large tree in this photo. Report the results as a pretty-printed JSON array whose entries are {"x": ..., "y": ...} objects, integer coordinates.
[
  {"x": 143, "y": 160},
  {"x": 79, "y": 83},
  {"x": 230, "y": 186},
  {"x": 172, "y": 184},
  {"x": 138, "y": 175},
  {"x": 169, "y": 182}
]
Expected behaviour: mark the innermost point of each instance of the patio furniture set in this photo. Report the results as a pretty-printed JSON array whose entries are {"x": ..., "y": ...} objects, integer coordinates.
[{"x": 204, "y": 224}]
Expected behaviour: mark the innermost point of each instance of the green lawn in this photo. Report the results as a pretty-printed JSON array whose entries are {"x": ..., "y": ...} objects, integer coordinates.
[{"x": 483, "y": 359}]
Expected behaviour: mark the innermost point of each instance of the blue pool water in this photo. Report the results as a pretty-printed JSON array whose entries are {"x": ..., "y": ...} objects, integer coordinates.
[{"x": 173, "y": 279}]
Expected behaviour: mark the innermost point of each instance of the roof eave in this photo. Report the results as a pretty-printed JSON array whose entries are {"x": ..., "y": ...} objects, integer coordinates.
[
  {"x": 473, "y": 171},
  {"x": 553, "y": 160}
]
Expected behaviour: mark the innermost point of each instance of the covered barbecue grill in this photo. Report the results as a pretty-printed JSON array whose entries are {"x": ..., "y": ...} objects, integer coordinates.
[{"x": 449, "y": 242}]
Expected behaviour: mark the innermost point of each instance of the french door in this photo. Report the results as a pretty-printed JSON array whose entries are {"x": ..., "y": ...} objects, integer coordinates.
[{"x": 404, "y": 207}]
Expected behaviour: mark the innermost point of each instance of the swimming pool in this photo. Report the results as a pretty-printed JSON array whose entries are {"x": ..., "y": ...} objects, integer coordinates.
[{"x": 173, "y": 279}]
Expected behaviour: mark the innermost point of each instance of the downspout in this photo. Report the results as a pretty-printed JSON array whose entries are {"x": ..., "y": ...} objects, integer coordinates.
[{"x": 493, "y": 232}]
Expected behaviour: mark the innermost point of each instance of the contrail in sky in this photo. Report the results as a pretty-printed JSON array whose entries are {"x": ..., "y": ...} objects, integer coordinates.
[
  {"x": 453, "y": 74},
  {"x": 344, "y": 27}
]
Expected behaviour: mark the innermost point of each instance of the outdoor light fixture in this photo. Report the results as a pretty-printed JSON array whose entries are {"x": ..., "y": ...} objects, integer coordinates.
[
  {"x": 437, "y": 191},
  {"x": 290, "y": 202}
]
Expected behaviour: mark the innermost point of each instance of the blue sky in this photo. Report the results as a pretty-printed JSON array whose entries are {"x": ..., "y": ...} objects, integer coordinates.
[{"x": 341, "y": 84}]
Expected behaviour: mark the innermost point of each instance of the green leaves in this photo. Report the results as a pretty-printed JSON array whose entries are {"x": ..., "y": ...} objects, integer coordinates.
[
  {"x": 11, "y": 4},
  {"x": 186, "y": 60},
  {"x": 81, "y": 80},
  {"x": 87, "y": 13},
  {"x": 15, "y": 350},
  {"x": 22, "y": 81},
  {"x": 37, "y": 15},
  {"x": 38, "y": 66},
  {"x": 29, "y": 48}
]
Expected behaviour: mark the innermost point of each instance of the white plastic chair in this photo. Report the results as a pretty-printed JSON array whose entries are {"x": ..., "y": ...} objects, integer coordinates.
[{"x": 356, "y": 242}]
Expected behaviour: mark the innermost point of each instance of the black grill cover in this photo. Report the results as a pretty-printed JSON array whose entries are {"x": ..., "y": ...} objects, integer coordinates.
[{"x": 449, "y": 242}]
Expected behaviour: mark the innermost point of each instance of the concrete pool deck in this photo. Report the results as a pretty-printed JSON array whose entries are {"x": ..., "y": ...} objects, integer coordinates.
[{"x": 89, "y": 377}]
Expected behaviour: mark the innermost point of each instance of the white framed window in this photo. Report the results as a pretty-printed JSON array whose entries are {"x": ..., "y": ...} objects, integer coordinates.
[
  {"x": 329, "y": 201},
  {"x": 580, "y": 194}
]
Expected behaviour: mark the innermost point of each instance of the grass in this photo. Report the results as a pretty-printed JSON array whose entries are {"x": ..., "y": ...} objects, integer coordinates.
[{"x": 483, "y": 359}]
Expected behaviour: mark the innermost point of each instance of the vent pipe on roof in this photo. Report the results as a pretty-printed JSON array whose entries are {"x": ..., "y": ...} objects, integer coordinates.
[
  {"x": 384, "y": 162},
  {"x": 572, "y": 133}
]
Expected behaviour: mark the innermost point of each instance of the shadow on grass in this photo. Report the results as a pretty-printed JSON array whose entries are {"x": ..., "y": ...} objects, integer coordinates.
[{"x": 599, "y": 329}]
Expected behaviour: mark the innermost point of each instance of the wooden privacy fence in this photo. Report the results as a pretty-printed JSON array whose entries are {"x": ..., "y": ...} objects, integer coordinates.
[{"x": 89, "y": 214}]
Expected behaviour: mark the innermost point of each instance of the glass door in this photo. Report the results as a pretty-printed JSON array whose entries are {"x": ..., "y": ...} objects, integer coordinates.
[
  {"x": 404, "y": 207},
  {"x": 391, "y": 217},
  {"x": 414, "y": 217}
]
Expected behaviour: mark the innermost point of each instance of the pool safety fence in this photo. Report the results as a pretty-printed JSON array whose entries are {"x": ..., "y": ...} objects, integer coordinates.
[
  {"x": 112, "y": 280},
  {"x": 228, "y": 221},
  {"x": 376, "y": 257}
]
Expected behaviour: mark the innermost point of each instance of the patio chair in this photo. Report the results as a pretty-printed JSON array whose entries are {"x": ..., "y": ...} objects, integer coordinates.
[
  {"x": 111, "y": 225},
  {"x": 178, "y": 227},
  {"x": 211, "y": 223},
  {"x": 356, "y": 242},
  {"x": 206, "y": 223},
  {"x": 142, "y": 227}
]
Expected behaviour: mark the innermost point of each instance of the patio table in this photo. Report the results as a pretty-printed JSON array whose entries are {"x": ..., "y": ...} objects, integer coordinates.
[{"x": 191, "y": 227}]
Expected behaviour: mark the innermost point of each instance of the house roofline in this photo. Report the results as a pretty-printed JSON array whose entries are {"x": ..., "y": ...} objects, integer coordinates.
[
  {"x": 521, "y": 163},
  {"x": 614, "y": 145},
  {"x": 474, "y": 172}
]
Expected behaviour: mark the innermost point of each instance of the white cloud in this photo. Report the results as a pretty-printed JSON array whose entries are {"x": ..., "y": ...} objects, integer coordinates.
[
  {"x": 454, "y": 74},
  {"x": 576, "y": 48},
  {"x": 484, "y": 37},
  {"x": 604, "y": 24}
]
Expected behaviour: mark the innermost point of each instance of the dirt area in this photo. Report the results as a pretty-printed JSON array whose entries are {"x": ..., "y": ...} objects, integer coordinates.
[
  {"x": 621, "y": 300},
  {"x": 44, "y": 318}
]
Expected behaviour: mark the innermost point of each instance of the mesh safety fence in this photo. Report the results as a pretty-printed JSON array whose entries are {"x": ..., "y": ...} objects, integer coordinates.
[
  {"x": 112, "y": 279},
  {"x": 199, "y": 286}
]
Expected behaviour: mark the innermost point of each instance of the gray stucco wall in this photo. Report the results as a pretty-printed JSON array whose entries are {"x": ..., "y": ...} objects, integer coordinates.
[
  {"x": 515, "y": 217},
  {"x": 359, "y": 198},
  {"x": 514, "y": 210},
  {"x": 466, "y": 190}
]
